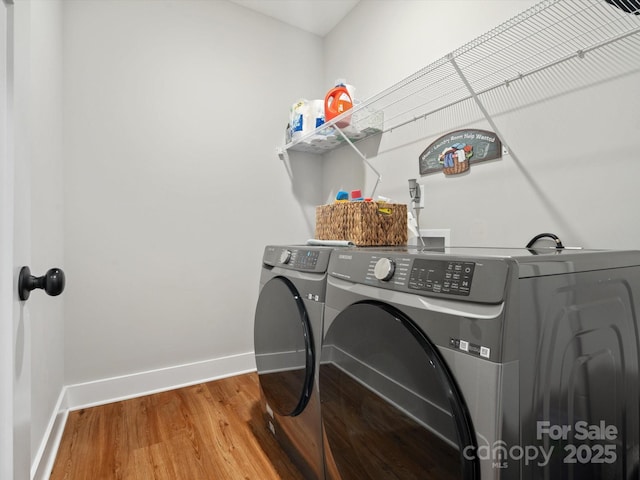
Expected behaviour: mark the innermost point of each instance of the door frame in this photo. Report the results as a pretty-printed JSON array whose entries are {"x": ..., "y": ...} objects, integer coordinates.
[{"x": 8, "y": 297}]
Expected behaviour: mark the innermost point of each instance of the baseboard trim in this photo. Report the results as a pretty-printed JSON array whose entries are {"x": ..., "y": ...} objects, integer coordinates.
[
  {"x": 46, "y": 455},
  {"x": 114, "y": 389}
]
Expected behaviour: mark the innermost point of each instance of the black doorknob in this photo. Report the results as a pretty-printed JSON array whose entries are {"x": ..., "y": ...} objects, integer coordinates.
[{"x": 52, "y": 282}]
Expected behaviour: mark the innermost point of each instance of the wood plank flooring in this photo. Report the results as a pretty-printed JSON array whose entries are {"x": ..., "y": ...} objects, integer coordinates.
[{"x": 209, "y": 431}]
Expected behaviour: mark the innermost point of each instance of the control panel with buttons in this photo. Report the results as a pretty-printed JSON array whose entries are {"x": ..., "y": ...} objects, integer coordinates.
[
  {"x": 442, "y": 276},
  {"x": 467, "y": 278},
  {"x": 305, "y": 259}
]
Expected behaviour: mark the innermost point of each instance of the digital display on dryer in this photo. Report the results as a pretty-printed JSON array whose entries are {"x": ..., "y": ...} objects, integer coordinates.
[{"x": 442, "y": 276}]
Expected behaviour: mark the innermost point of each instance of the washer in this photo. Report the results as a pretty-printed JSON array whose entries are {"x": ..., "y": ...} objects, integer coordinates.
[
  {"x": 287, "y": 339},
  {"x": 481, "y": 363}
]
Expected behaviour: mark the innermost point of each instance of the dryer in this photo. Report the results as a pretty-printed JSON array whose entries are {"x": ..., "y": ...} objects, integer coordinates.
[
  {"x": 481, "y": 363},
  {"x": 287, "y": 338}
]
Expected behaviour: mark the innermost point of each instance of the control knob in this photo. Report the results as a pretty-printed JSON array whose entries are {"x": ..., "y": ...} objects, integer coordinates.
[
  {"x": 384, "y": 269},
  {"x": 285, "y": 256}
]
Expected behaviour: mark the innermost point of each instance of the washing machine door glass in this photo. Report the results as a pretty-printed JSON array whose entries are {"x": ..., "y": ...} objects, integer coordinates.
[
  {"x": 283, "y": 347},
  {"x": 390, "y": 407}
]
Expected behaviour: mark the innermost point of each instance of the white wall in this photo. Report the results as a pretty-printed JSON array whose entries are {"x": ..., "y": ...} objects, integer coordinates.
[
  {"x": 572, "y": 170},
  {"x": 172, "y": 113}
]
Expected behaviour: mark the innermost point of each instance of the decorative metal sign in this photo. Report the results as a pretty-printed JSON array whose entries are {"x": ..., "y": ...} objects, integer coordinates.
[{"x": 454, "y": 152}]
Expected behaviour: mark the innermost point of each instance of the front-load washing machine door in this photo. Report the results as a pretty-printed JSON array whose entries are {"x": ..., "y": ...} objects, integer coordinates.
[
  {"x": 283, "y": 347},
  {"x": 390, "y": 406}
]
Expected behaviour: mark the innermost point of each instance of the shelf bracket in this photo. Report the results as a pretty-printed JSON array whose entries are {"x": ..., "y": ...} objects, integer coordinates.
[
  {"x": 363, "y": 157},
  {"x": 282, "y": 154}
]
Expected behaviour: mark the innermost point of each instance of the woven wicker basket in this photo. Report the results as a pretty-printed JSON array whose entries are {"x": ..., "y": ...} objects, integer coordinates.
[
  {"x": 363, "y": 223},
  {"x": 458, "y": 167}
]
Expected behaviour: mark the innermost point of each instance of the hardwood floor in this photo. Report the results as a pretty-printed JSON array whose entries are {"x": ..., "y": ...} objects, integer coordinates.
[{"x": 210, "y": 431}]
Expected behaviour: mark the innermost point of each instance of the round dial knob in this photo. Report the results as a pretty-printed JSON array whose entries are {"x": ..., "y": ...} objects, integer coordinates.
[
  {"x": 384, "y": 269},
  {"x": 285, "y": 256}
]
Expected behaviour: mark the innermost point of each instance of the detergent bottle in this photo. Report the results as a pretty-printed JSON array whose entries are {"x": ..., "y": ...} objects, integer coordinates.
[
  {"x": 299, "y": 119},
  {"x": 337, "y": 101}
]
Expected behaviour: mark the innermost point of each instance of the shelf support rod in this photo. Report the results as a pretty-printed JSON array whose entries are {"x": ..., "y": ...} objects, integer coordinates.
[
  {"x": 364, "y": 159},
  {"x": 475, "y": 97}
]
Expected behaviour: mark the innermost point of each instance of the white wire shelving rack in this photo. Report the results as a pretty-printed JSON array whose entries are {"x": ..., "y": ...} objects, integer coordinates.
[{"x": 550, "y": 36}]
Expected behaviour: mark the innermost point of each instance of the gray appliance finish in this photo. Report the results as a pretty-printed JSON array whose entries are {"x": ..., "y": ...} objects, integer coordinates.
[
  {"x": 287, "y": 338},
  {"x": 481, "y": 363}
]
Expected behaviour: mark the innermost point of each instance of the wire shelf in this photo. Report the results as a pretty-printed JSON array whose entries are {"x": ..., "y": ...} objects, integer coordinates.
[{"x": 540, "y": 39}]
